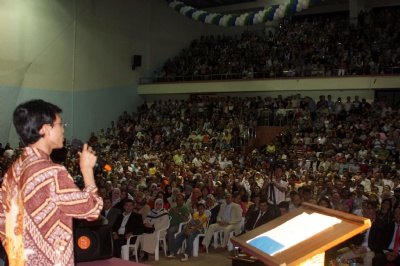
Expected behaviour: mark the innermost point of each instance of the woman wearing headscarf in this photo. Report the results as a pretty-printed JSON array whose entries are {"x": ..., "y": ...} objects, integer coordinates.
[
  {"x": 123, "y": 198},
  {"x": 116, "y": 196},
  {"x": 160, "y": 195},
  {"x": 213, "y": 206},
  {"x": 141, "y": 205},
  {"x": 156, "y": 219}
]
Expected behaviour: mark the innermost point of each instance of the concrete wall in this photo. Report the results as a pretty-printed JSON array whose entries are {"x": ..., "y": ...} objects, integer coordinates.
[{"x": 77, "y": 54}]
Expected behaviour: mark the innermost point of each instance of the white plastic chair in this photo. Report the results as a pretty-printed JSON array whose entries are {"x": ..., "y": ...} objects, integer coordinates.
[
  {"x": 164, "y": 239},
  {"x": 197, "y": 239},
  {"x": 221, "y": 235},
  {"x": 181, "y": 227},
  {"x": 125, "y": 249}
]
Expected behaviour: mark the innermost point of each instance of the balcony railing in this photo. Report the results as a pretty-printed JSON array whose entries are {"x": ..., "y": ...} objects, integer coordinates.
[{"x": 320, "y": 72}]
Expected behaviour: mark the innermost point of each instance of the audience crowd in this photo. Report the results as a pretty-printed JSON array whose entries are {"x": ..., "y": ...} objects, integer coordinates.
[
  {"x": 324, "y": 45},
  {"x": 182, "y": 154}
]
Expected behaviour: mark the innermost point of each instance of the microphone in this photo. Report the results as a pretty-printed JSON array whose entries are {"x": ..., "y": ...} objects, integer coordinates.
[{"x": 77, "y": 146}]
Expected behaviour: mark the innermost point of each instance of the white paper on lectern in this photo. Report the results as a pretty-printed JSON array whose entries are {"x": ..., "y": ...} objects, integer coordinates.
[{"x": 299, "y": 229}]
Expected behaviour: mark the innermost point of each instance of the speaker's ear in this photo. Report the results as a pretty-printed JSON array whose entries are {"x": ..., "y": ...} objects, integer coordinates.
[{"x": 93, "y": 243}]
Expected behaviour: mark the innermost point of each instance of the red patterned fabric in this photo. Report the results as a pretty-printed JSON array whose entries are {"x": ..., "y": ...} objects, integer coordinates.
[{"x": 38, "y": 201}]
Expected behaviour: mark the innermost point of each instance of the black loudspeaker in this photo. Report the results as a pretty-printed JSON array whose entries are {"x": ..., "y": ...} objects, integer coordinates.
[
  {"x": 137, "y": 61},
  {"x": 93, "y": 243}
]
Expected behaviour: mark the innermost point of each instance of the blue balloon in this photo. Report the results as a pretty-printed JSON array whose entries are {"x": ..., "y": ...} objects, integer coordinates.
[
  {"x": 251, "y": 18},
  {"x": 190, "y": 12},
  {"x": 202, "y": 17},
  {"x": 271, "y": 15}
]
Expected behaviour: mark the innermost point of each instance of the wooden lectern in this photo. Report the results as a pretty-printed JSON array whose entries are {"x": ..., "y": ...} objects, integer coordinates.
[{"x": 311, "y": 250}]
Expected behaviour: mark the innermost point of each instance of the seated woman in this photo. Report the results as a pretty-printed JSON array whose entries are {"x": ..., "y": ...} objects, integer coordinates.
[
  {"x": 156, "y": 219},
  {"x": 196, "y": 225},
  {"x": 160, "y": 195},
  {"x": 120, "y": 205},
  {"x": 116, "y": 196},
  {"x": 213, "y": 206},
  {"x": 141, "y": 205},
  {"x": 385, "y": 212}
]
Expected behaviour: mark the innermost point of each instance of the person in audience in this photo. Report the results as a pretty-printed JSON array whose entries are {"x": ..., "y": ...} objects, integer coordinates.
[
  {"x": 237, "y": 198},
  {"x": 115, "y": 196},
  {"x": 254, "y": 207},
  {"x": 283, "y": 207},
  {"x": 229, "y": 218},
  {"x": 276, "y": 187},
  {"x": 127, "y": 224},
  {"x": 179, "y": 214},
  {"x": 385, "y": 212},
  {"x": 141, "y": 205},
  {"x": 259, "y": 217},
  {"x": 109, "y": 212},
  {"x": 197, "y": 225},
  {"x": 213, "y": 207},
  {"x": 120, "y": 205},
  {"x": 324, "y": 202},
  {"x": 388, "y": 246},
  {"x": 156, "y": 219},
  {"x": 366, "y": 244}
]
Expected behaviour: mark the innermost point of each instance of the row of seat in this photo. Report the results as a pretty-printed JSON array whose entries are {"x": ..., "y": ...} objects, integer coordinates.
[{"x": 161, "y": 236}]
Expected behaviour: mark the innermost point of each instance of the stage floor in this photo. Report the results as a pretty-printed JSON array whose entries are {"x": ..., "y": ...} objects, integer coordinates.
[
  {"x": 110, "y": 262},
  {"x": 214, "y": 258}
]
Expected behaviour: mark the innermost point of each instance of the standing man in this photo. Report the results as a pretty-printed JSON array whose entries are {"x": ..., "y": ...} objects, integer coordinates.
[
  {"x": 278, "y": 187},
  {"x": 38, "y": 197}
]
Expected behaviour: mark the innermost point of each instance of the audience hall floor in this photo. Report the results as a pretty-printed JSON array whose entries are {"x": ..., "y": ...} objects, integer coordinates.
[{"x": 213, "y": 258}]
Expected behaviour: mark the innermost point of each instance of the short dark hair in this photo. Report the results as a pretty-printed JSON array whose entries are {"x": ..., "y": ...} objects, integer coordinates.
[
  {"x": 263, "y": 200},
  {"x": 284, "y": 205},
  {"x": 29, "y": 117},
  {"x": 130, "y": 201},
  {"x": 200, "y": 204},
  {"x": 107, "y": 198}
]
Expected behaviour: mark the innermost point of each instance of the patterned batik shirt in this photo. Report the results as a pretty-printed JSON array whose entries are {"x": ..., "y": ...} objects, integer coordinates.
[{"x": 38, "y": 200}]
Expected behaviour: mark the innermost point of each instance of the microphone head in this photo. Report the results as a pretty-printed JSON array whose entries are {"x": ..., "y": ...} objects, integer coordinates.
[{"x": 76, "y": 145}]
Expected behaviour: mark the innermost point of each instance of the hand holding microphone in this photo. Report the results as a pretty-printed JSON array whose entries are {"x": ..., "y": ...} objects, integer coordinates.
[
  {"x": 87, "y": 160},
  {"x": 87, "y": 157}
]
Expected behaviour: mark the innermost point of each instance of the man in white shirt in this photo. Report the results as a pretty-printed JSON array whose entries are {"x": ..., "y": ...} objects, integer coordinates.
[
  {"x": 279, "y": 187},
  {"x": 127, "y": 224},
  {"x": 109, "y": 212}
]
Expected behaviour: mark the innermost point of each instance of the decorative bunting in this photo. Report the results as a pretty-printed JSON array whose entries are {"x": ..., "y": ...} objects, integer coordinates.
[{"x": 269, "y": 14}]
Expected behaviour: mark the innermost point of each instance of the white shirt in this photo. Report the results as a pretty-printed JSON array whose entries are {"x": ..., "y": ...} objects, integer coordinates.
[
  {"x": 121, "y": 230},
  {"x": 279, "y": 196}
]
